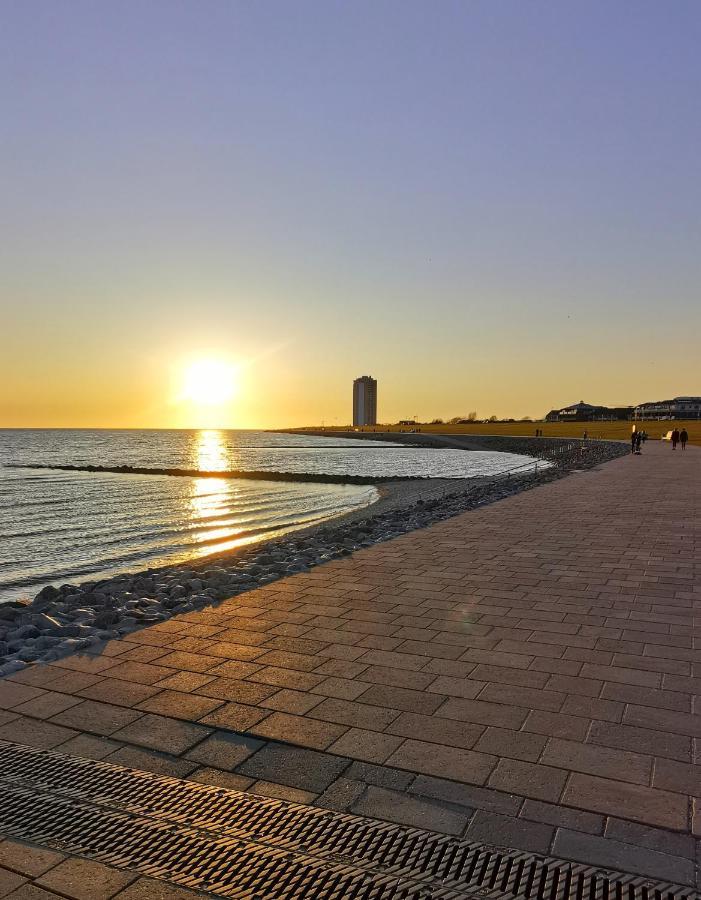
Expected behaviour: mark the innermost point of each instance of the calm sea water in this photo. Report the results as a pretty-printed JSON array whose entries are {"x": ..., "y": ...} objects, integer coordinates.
[{"x": 67, "y": 526}]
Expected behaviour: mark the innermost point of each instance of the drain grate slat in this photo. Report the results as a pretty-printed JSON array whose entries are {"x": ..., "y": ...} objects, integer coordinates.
[{"x": 240, "y": 845}]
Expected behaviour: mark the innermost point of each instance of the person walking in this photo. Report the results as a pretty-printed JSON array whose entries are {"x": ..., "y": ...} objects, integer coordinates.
[
  {"x": 675, "y": 438},
  {"x": 638, "y": 441},
  {"x": 633, "y": 440},
  {"x": 683, "y": 438}
]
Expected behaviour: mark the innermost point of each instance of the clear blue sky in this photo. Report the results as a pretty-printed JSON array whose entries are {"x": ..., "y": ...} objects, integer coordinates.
[{"x": 488, "y": 205}]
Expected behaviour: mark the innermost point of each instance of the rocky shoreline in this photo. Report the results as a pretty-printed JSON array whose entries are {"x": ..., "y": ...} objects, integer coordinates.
[{"x": 74, "y": 617}]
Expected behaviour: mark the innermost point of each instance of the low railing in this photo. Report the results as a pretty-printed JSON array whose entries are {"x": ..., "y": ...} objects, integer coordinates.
[{"x": 548, "y": 454}]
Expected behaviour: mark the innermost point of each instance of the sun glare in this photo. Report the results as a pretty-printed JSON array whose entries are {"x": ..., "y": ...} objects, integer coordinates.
[{"x": 209, "y": 382}]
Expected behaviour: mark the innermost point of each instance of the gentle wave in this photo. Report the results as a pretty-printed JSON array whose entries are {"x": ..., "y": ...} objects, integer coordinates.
[{"x": 58, "y": 525}]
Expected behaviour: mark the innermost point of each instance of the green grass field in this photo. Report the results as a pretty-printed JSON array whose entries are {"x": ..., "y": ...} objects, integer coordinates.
[{"x": 611, "y": 430}]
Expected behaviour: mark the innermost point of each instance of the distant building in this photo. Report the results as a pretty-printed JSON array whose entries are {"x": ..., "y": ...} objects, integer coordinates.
[
  {"x": 586, "y": 412},
  {"x": 365, "y": 401},
  {"x": 679, "y": 408}
]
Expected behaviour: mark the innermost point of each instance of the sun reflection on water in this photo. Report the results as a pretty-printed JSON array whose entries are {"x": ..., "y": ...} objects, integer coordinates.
[
  {"x": 210, "y": 506},
  {"x": 210, "y": 452}
]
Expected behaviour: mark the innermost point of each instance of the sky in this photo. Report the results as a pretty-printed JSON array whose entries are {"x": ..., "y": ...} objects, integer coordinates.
[{"x": 488, "y": 205}]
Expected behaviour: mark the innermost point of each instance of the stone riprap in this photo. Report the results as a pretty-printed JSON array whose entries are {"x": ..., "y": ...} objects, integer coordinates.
[{"x": 77, "y": 617}]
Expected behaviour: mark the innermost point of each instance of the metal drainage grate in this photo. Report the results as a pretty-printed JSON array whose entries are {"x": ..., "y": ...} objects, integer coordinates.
[{"x": 242, "y": 846}]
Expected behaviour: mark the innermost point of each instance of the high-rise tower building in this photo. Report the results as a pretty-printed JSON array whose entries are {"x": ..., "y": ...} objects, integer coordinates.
[{"x": 365, "y": 401}]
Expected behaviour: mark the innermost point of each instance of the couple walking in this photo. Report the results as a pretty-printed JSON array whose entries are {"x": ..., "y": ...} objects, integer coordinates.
[
  {"x": 636, "y": 440},
  {"x": 679, "y": 437}
]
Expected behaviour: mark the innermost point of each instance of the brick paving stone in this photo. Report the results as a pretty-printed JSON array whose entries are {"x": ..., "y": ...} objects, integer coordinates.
[
  {"x": 294, "y": 766},
  {"x": 393, "y": 660},
  {"x": 631, "y": 801},
  {"x": 184, "y": 681},
  {"x": 593, "y": 708},
  {"x": 299, "y": 730},
  {"x": 677, "y": 776},
  {"x": 382, "y": 776},
  {"x": 151, "y": 761},
  {"x": 663, "y": 720},
  {"x": 84, "y": 879},
  {"x": 403, "y": 698},
  {"x": 223, "y": 750},
  {"x": 47, "y": 705},
  {"x": 220, "y": 778},
  {"x": 354, "y": 714},
  {"x": 13, "y": 694},
  {"x": 27, "y": 859},
  {"x": 626, "y": 857},
  {"x": 341, "y": 668},
  {"x": 98, "y": 718},
  {"x": 89, "y": 746},
  {"x": 396, "y": 806},
  {"x": 61, "y": 680},
  {"x": 644, "y": 696},
  {"x": 641, "y": 740},
  {"x": 453, "y": 668},
  {"x": 562, "y": 817},
  {"x": 466, "y": 795},
  {"x": 568, "y": 684},
  {"x": 302, "y": 662},
  {"x": 232, "y": 689},
  {"x": 557, "y": 725},
  {"x": 39, "y": 675},
  {"x": 31, "y": 892},
  {"x": 341, "y": 688},
  {"x": 35, "y": 733},
  {"x": 161, "y": 733},
  {"x": 228, "y": 650},
  {"x": 340, "y": 651},
  {"x": 670, "y": 842},
  {"x": 144, "y": 654},
  {"x": 621, "y": 765},
  {"x": 287, "y": 700},
  {"x": 298, "y": 681},
  {"x": 282, "y": 792},
  {"x": 388, "y": 675},
  {"x": 81, "y": 662},
  {"x": 180, "y": 705},
  {"x": 481, "y": 713},
  {"x": 507, "y": 676},
  {"x": 512, "y": 744},
  {"x": 437, "y": 730},
  {"x": 446, "y": 762},
  {"x": 369, "y": 746},
  {"x": 341, "y": 794},
  {"x": 556, "y": 666},
  {"x": 538, "y": 782},
  {"x": 143, "y": 673},
  {"x": 505, "y": 831},
  {"x": 10, "y": 881},
  {"x": 120, "y": 693},
  {"x": 456, "y": 687},
  {"x": 236, "y": 716}
]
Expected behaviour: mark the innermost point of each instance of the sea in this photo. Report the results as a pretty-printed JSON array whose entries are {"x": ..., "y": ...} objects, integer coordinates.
[{"x": 63, "y": 526}]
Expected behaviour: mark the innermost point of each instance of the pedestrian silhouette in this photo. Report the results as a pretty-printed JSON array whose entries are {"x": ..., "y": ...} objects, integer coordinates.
[
  {"x": 675, "y": 438},
  {"x": 683, "y": 438}
]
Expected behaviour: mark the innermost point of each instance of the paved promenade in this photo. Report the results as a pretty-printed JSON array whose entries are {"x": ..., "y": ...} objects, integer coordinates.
[{"x": 527, "y": 675}]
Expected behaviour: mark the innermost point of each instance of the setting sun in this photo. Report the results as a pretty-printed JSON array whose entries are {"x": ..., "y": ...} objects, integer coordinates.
[{"x": 209, "y": 382}]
